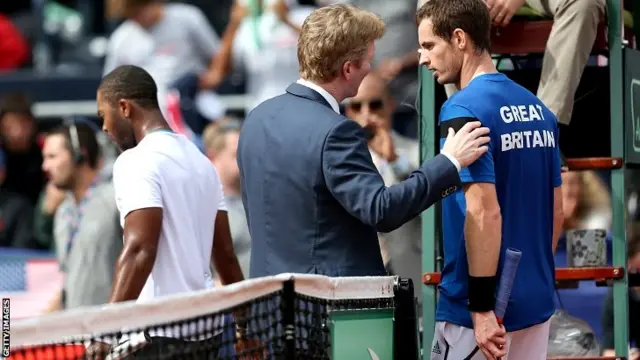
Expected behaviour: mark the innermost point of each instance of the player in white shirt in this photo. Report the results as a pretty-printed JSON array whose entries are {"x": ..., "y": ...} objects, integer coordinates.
[{"x": 169, "y": 196}]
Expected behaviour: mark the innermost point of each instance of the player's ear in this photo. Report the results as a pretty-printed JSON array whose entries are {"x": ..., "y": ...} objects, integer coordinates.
[
  {"x": 124, "y": 106},
  {"x": 459, "y": 38},
  {"x": 347, "y": 69}
]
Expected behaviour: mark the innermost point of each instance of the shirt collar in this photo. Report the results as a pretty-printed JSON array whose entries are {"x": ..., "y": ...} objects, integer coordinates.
[{"x": 330, "y": 99}]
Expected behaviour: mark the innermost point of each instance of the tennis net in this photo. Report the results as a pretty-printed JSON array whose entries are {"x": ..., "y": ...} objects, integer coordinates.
[{"x": 280, "y": 317}]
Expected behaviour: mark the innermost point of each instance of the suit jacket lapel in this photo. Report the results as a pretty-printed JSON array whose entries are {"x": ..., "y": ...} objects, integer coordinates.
[{"x": 307, "y": 93}]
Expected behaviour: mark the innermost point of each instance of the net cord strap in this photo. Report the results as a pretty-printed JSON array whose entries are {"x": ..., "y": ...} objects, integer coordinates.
[{"x": 114, "y": 318}]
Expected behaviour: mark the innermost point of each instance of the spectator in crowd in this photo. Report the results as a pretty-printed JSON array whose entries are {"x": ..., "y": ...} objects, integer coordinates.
[
  {"x": 51, "y": 197},
  {"x": 575, "y": 26},
  {"x": 16, "y": 216},
  {"x": 395, "y": 157},
  {"x": 221, "y": 146},
  {"x": 396, "y": 59},
  {"x": 586, "y": 205},
  {"x": 586, "y": 201},
  {"x": 266, "y": 48},
  {"x": 87, "y": 232},
  {"x": 170, "y": 41},
  {"x": 18, "y": 130},
  {"x": 634, "y": 301}
]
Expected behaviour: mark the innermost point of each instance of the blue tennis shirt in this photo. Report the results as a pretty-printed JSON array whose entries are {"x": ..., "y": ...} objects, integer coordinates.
[{"x": 523, "y": 162}]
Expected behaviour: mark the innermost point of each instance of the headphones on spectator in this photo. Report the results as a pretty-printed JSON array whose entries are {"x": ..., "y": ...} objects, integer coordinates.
[{"x": 76, "y": 152}]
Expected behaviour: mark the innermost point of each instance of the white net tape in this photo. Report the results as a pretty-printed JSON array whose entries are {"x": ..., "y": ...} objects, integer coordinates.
[{"x": 113, "y": 318}]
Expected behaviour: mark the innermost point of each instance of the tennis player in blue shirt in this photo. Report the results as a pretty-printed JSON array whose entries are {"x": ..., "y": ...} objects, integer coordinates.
[{"x": 511, "y": 196}]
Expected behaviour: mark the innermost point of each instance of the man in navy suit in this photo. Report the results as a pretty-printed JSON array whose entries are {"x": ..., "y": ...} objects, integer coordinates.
[{"x": 313, "y": 197}]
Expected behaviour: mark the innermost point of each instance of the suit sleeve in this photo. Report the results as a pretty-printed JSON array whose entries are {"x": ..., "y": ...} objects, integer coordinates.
[
  {"x": 482, "y": 170},
  {"x": 354, "y": 181}
]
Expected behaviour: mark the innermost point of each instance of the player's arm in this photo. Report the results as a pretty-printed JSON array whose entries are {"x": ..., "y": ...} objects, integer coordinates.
[
  {"x": 223, "y": 255},
  {"x": 483, "y": 235},
  {"x": 483, "y": 221},
  {"x": 142, "y": 229},
  {"x": 140, "y": 202},
  {"x": 558, "y": 216},
  {"x": 483, "y": 239}
]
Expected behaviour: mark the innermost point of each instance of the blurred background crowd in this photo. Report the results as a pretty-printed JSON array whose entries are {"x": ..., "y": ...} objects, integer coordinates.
[{"x": 214, "y": 61}]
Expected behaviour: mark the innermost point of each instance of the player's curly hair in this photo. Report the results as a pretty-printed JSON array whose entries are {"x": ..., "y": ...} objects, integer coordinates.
[
  {"x": 131, "y": 83},
  {"x": 471, "y": 16}
]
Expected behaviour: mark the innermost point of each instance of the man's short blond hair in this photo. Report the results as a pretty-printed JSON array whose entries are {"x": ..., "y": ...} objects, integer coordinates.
[
  {"x": 214, "y": 135},
  {"x": 332, "y": 35}
]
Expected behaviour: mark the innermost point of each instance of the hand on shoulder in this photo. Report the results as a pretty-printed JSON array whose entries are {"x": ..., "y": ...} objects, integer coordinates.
[{"x": 468, "y": 144}]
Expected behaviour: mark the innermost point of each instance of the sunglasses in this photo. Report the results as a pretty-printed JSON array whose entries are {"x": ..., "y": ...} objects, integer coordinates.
[{"x": 374, "y": 105}]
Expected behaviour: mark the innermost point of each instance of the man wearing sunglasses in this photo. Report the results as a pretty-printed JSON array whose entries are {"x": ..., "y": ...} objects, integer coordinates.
[{"x": 395, "y": 157}]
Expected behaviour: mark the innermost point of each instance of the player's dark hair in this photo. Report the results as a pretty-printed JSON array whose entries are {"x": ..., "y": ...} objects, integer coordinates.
[
  {"x": 88, "y": 145},
  {"x": 471, "y": 16},
  {"x": 130, "y": 83},
  {"x": 16, "y": 103}
]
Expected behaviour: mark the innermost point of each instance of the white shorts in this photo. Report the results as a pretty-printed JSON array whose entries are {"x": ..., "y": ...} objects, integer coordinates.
[{"x": 453, "y": 342}]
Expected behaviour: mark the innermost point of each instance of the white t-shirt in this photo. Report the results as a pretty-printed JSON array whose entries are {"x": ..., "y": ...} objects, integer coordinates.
[
  {"x": 181, "y": 43},
  {"x": 167, "y": 170}
]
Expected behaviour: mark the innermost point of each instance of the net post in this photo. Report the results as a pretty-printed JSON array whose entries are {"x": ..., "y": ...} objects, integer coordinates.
[
  {"x": 406, "y": 333},
  {"x": 288, "y": 318}
]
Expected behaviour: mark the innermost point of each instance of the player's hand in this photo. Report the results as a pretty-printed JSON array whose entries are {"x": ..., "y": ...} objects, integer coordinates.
[
  {"x": 501, "y": 11},
  {"x": 97, "y": 350},
  {"x": 381, "y": 142},
  {"x": 468, "y": 144},
  {"x": 490, "y": 336}
]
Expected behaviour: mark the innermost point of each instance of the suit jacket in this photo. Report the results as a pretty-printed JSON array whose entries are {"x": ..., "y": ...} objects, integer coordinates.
[{"x": 313, "y": 197}]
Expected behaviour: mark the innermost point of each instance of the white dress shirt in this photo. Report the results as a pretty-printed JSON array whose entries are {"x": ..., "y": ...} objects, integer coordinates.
[{"x": 325, "y": 94}]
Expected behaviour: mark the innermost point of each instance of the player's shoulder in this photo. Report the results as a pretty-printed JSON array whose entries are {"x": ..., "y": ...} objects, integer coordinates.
[
  {"x": 456, "y": 107},
  {"x": 136, "y": 161}
]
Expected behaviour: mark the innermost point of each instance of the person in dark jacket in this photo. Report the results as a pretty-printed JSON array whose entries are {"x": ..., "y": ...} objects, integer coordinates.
[
  {"x": 16, "y": 216},
  {"x": 18, "y": 130}
]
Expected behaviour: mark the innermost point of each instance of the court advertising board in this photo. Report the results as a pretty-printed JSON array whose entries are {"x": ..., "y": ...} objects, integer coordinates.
[{"x": 362, "y": 334}]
